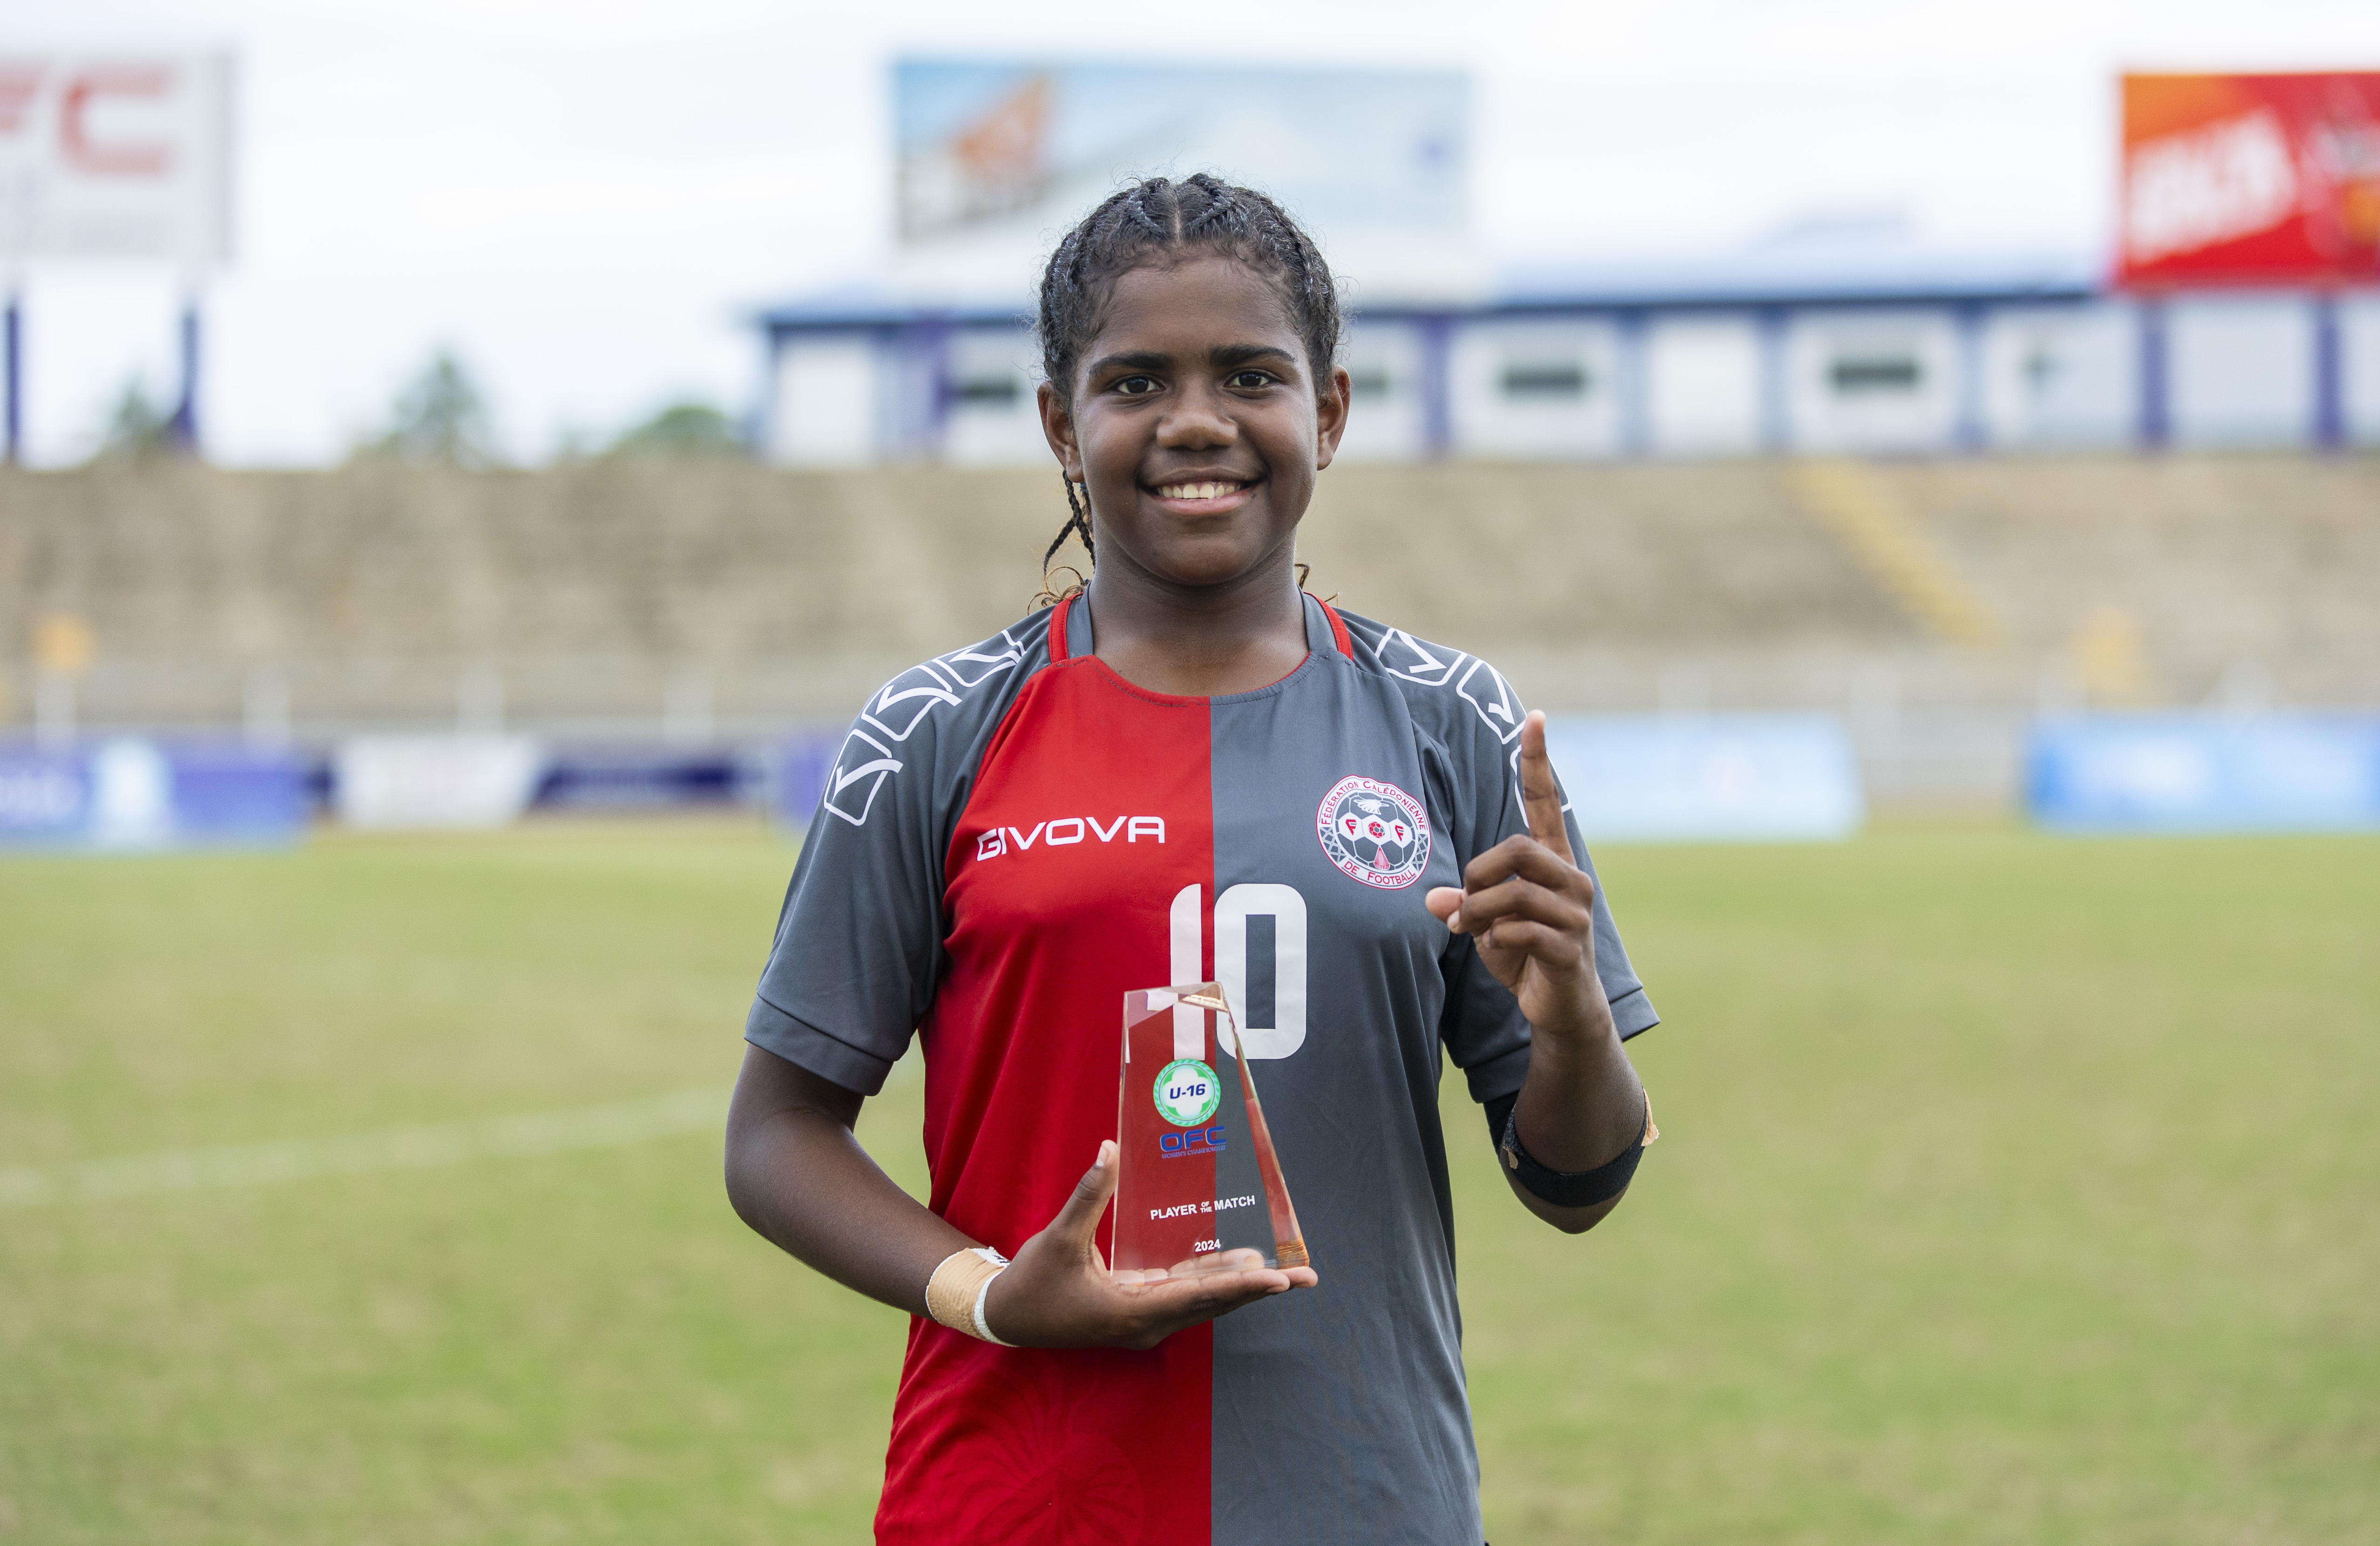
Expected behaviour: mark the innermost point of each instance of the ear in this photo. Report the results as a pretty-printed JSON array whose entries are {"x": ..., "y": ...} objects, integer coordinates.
[
  {"x": 1058, "y": 428},
  {"x": 1331, "y": 417}
]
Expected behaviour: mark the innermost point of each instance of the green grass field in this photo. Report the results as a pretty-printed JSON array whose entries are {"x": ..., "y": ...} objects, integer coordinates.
[{"x": 2011, "y": 1190}]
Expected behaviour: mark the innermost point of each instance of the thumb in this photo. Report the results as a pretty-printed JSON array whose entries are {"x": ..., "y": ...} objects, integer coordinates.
[
  {"x": 1445, "y": 903},
  {"x": 1080, "y": 1216}
]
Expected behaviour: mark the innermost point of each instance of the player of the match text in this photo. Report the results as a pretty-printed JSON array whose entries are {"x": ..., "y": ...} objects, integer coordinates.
[{"x": 1218, "y": 1205}]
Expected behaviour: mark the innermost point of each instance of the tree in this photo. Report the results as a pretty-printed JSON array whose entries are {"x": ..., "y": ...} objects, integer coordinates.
[
  {"x": 440, "y": 419},
  {"x": 138, "y": 430},
  {"x": 682, "y": 430}
]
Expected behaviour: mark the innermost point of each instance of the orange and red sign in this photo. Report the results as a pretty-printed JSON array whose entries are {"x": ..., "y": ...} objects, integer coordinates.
[{"x": 2250, "y": 179}]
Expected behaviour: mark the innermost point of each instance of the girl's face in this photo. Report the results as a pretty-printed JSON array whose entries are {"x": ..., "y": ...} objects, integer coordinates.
[{"x": 1196, "y": 427}]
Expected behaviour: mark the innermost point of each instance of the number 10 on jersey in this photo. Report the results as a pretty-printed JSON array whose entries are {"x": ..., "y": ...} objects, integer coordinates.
[{"x": 1197, "y": 1176}]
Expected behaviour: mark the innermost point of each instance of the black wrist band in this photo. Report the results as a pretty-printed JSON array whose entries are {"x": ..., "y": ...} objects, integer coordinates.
[{"x": 1572, "y": 1189}]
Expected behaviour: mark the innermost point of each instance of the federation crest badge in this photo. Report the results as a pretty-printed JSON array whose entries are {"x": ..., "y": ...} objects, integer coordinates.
[{"x": 1373, "y": 831}]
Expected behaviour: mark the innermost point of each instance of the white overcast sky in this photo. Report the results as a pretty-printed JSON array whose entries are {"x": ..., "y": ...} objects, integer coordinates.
[{"x": 585, "y": 198}]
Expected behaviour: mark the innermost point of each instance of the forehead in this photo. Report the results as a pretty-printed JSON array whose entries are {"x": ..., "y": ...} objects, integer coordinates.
[{"x": 1192, "y": 305}]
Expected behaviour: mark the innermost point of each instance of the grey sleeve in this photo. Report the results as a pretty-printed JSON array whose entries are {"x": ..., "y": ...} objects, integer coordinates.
[
  {"x": 859, "y": 940},
  {"x": 1484, "y": 1030}
]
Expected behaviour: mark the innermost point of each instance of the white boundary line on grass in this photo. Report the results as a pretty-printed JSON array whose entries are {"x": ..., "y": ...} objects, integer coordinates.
[{"x": 604, "y": 1126}]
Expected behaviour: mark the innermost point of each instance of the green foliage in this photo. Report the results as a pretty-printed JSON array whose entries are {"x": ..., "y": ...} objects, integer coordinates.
[
  {"x": 2011, "y": 1190},
  {"x": 682, "y": 430},
  {"x": 438, "y": 420},
  {"x": 137, "y": 430}
]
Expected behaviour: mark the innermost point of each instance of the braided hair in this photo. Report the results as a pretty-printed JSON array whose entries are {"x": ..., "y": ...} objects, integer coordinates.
[{"x": 1154, "y": 220}]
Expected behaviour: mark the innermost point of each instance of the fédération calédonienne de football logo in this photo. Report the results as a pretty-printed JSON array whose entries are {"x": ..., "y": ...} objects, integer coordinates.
[{"x": 1373, "y": 831}]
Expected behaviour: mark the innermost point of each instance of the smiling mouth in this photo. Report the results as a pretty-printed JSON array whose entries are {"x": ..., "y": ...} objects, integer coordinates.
[{"x": 1200, "y": 491}]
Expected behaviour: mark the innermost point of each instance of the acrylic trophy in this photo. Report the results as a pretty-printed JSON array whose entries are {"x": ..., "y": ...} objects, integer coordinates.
[{"x": 1196, "y": 1176}]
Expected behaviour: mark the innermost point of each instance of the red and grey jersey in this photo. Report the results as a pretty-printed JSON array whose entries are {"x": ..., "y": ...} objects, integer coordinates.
[{"x": 1014, "y": 837}]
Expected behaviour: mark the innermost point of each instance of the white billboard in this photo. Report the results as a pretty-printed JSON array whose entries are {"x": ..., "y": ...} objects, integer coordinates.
[
  {"x": 116, "y": 155},
  {"x": 996, "y": 160},
  {"x": 435, "y": 780}
]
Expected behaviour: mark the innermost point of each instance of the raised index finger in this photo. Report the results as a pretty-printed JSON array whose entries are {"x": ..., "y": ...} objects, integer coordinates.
[{"x": 1540, "y": 796}]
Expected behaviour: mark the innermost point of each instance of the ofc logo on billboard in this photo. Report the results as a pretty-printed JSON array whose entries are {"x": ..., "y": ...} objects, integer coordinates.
[
  {"x": 2250, "y": 179},
  {"x": 115, "y": 156}
]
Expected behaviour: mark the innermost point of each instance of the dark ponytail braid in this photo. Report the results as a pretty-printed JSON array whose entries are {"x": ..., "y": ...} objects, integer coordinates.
[
  {"x": 1078, "y": 522},
  {"x": 1159, "y": 219}
]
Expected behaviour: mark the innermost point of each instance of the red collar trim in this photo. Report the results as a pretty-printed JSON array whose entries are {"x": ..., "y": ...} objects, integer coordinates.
[
  {"x": 1058, "y": 631},
  {"x": 1338, "y": 630}
]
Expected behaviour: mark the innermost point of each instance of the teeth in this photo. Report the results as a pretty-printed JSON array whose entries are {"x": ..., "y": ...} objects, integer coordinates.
[{"x": 1197, "y": 491}]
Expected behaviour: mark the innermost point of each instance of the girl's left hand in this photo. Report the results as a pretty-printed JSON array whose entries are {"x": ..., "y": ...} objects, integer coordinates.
[
  {"x": 1530, "y": 909},
  {"x": 1057, "y": 1293}
]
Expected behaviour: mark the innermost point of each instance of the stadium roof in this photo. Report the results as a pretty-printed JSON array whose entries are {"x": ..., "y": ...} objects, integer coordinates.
[
  {"x": 1857, "y": 259},
  {"x": 1846, "y": 263}
]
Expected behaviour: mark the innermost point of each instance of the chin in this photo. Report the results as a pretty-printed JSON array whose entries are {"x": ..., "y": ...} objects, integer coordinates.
[{"x": 1203, "y": 577}]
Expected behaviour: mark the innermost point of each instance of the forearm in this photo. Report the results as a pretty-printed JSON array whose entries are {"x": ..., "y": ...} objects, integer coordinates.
[
  {"x": 1581, "y": 1105},
  {"x": 1580, "y": 1108},
  {"x": 797, "y": 1173}
]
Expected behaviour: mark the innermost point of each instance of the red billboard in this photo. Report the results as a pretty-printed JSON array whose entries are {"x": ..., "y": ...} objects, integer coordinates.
[{"x": 2250, "y": 179}]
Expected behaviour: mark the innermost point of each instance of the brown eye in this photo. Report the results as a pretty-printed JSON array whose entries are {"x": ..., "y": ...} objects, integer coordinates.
[
  {"x": 1136, "y": 387},
  {"x": 1248, "y": 381}
]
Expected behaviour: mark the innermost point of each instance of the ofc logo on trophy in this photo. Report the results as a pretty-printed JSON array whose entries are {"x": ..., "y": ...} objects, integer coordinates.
[{"x": 1373, "y": 831}]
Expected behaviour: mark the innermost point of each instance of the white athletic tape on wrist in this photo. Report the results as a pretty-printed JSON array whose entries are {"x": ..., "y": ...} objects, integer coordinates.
[
  {"x": 956, "y": 1295},
  {"x": 983, "y": 1327}
]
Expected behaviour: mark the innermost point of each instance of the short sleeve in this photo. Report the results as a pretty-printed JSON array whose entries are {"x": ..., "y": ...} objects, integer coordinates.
[
  {"x": 858, "y": 942},
  {"x": 1483, "y": 1028}
]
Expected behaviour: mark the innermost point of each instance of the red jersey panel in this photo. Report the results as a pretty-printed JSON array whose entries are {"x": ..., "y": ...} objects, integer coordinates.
[{"x": 1091, "y": 811}]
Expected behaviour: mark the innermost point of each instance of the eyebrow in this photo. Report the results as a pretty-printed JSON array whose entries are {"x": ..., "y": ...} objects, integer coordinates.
[
  {"x": 1140, "y": 361},
  {"x": 1240, "y": 354},
  {"x": 1222, "y": 355}
]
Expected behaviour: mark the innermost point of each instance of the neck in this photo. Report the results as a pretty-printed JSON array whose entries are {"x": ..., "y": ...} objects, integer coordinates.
[{"x": 1199, "y": 641}]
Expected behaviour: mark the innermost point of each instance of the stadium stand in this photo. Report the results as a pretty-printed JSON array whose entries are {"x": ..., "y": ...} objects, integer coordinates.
[{"x": 730, "y": 600}]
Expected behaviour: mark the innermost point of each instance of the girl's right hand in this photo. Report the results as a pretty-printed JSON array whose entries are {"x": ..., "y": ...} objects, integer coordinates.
[{"x": 1059, "y": 1293}]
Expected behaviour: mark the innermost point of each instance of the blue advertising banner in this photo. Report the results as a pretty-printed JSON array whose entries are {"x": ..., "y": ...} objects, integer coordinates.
[
  {"x": 645, "y": 778},
  {"x": 1707, "y": 777},
  {"x": 129, "y": 793},
  {"x": 2205, "y": 773},
  {"x": 803, "y": 768}
]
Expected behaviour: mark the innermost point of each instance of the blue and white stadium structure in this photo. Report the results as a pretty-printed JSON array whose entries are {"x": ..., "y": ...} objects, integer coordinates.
[{"x": 1849, "y": 339}]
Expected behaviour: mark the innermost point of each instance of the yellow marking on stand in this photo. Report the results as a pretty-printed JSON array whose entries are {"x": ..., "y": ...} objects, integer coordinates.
[
  {"x": 1869, "y": 520},
  {"x": 2110, "y": 660}
]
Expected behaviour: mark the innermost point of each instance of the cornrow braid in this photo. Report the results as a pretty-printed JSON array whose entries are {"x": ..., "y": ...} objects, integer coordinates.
[{"x": 1160, "y": 219}]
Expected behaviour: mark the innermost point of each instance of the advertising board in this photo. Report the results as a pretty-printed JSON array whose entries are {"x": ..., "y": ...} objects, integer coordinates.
[
  {"x": 2182, "y": 773},
  {"x": 115, "y": 156},
  {"x": 1707, "y": 777},
  {"x": 995, "y": 159},
  {"x": 2250, "y": 179},
  {"x": 803, "y": 774},
  {"x": 128, "y": 794},
  {"x": 427, "y": 782}
]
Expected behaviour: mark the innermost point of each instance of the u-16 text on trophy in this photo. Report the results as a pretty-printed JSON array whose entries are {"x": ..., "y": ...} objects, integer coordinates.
[{"x": 1196, "y": 1178}]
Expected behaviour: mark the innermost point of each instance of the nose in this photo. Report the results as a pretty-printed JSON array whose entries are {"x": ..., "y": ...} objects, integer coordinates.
[{"x": 1197, "y": 420}]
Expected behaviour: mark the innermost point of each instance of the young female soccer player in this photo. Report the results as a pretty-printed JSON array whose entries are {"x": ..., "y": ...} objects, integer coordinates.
[{"x": 1188, "y": 769}]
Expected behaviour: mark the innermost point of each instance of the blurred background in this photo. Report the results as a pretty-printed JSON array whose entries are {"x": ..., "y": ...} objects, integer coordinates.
[{"x": 466, "y": 465}]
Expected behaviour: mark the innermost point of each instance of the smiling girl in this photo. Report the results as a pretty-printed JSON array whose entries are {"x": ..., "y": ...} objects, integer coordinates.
[{"x": 1189, "y": 768}]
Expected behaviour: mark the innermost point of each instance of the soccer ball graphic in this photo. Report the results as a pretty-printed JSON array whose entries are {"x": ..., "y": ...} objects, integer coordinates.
[{"x": 1373, "y": 833}]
